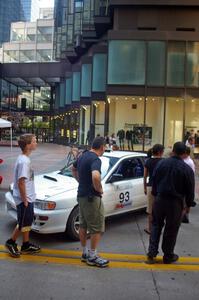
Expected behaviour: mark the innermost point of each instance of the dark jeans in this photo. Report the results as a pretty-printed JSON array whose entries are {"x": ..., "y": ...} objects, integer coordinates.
[{"x": 168, "y": 212}]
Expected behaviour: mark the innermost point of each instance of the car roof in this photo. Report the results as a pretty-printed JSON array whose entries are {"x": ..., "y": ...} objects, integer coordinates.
[{"x": 120, "y": 154}]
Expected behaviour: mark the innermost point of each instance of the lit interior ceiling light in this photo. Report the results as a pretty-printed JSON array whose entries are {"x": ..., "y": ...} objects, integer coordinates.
[
  {"x": 84, "y": 107},
  {"x": 126, "y": 98},
  {"x": 109, "y": 100},
  {"x": 193, "y": 100},
  {"x": 116, "y": 98},
  {"x": 133, "y": 98},
  {"x": 140, "y": 99},
  {"x": 177, "y": 100},
  {"x": 153, "y": 99}
]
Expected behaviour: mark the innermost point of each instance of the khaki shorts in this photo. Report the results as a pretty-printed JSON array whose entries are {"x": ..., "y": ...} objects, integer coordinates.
[
  {"x": 150, "y": 200},
  {"x": 91, "y": 214}
]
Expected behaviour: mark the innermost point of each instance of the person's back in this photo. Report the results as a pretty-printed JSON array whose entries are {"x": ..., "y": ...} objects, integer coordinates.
[
  {"x": 85, "y": 163},
  {"x": 173, "y": 187},
  {"x": 173, "y": 177}
]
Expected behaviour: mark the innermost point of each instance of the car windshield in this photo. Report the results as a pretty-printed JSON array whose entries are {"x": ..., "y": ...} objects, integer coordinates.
[{"x": 107, "y": 163}]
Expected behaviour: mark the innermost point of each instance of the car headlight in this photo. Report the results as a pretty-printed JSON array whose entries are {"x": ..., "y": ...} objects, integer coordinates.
[{"x": 45, "y": 205}]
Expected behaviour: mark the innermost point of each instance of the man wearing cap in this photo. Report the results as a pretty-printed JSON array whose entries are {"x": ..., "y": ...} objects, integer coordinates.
[{"x": 173, "y": 183}]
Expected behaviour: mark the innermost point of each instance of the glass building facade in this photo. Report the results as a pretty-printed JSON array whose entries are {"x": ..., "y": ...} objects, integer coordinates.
[
  {"x": 30, "y": 9},
  {"x": 138, "y": 73},
  {"x": 30, "y": 42},
  {"x": 131, "y": 71},
  {"x": 10, "y": 11}
]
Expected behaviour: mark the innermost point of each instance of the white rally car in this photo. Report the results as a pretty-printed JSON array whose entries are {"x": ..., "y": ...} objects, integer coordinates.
[{"x": 56, "y": 207}]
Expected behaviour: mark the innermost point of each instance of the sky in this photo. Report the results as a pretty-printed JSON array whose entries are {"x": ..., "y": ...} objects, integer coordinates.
[{"x": 46, "y": 3}]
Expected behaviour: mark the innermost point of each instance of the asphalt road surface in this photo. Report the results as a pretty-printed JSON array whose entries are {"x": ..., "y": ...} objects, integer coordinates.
[{"x": 57, "y": 273}]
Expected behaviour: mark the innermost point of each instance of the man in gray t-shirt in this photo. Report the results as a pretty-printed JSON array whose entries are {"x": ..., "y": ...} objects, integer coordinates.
[
  {"x": 24, "y": 196},
  {"x": 23, "y": 169}
]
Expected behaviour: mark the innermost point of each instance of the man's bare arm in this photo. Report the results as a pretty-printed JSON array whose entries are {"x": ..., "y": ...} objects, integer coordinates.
[
  {"x": 22, "y": 190},
  {"x": 96, "y": 179}
]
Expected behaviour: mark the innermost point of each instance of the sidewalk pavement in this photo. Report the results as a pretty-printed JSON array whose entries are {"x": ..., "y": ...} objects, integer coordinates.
[{"x": 46, "y": 158}]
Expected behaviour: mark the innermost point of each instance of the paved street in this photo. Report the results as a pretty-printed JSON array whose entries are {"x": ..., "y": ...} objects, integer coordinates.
[{"x": 57, "y": 273}]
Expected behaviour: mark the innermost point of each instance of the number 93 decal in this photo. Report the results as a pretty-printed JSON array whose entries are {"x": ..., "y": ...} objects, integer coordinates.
[{"x": 124, "y": 199}]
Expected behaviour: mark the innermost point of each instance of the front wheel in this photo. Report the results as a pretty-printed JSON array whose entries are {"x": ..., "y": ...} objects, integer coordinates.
[{"x": 72, "y": 228}]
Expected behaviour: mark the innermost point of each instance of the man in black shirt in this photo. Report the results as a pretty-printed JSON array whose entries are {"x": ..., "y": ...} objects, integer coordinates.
[
  {"x": 87, "y": 171},
  {"x": 173, "y": 188}
]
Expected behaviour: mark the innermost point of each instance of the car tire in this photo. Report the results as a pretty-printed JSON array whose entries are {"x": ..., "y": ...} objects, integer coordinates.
[{"x": 72, "y": 228}]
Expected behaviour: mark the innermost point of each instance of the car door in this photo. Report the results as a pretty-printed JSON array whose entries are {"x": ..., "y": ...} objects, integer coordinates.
[{"x": 127, "y": 192}]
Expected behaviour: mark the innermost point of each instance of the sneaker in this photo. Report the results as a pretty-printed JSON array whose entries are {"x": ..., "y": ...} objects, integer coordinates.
[
  {"x": 84, "y": 257},
  {"x": 97, "y": 261},
  {"x": 12, "y": 248},
  {"x": 150, "y": 260},
  {"x": 168, "y": 259},
  {"x": 30, "y": 249}
]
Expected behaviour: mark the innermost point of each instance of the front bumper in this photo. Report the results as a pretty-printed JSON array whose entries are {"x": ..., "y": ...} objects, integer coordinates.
[{"x": 45, "y": 221}]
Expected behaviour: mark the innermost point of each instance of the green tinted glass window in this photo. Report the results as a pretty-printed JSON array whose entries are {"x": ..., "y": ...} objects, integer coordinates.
[
  {"x": 86, "y": 80},
  {"x": 175, "y": 63},
  {"x": 99, "y": 72},
  {"x": 68, "y": 91},
  {"x": 126, "y": 63},
  {"x": 76, "y": 87},
  {"x": 156, "y": 64},
  {"x": 192, "y": 78}
]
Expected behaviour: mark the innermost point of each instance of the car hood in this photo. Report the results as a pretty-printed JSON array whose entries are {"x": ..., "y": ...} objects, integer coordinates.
[{"x": 48, "y": 185}]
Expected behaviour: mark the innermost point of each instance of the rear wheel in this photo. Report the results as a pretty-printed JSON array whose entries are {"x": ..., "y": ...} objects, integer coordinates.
[{"x": 72, "y": 228}]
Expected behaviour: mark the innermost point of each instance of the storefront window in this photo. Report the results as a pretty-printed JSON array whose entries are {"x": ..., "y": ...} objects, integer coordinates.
[
  {"x": 42, "y": 98},
  {"x": 85, "y": 124},
  {"x": 126, "y": 121},
  {"x": 192, "y": 118},
  {"x": 173, "y": 121},
  {"x": 126, "y": 62},
  {"x": 154, "y": 121},
  {"x": 176, "y": 63},
  {"x": 99, "y": 72},
  {"x": 4, "y": 94},
  {"x": 156, "y": 64},
  {"x": 98, "y": 117},
  {"x": 192, "y": 78}
]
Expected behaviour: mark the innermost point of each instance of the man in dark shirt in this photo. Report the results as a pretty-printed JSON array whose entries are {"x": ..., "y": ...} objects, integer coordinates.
[
  {"x": 87, "y": 171},
  {"x": 173, "y": 188}
]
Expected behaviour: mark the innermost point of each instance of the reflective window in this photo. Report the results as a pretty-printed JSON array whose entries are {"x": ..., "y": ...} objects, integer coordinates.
[
  {"x": 192, "y": 78},
  {"x": 76, "y": 86},
  {"x": 18, "y": 34},
  {"x": 175, "y": 63},
  {"x": 86, "y": 80},
  {"x": 31, "y": 34},
  {"x": 156, "y": 64},
  {"x": 173, "y": 121},
  {"x": 126, "y": 62},
  {"x": 44, "y": 34},
  {"x": 27, "y": 55},
  {"x": 10, "y": 56},
  {"x": 99, "y": 72},
  {"x": 44, "y": 55},
  {"x": 68, "y": 91},
  {"x": 42, "y": 99}
]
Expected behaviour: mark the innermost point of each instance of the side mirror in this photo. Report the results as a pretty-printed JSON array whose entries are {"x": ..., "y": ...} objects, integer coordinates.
[{"x": 115, "y": 177}]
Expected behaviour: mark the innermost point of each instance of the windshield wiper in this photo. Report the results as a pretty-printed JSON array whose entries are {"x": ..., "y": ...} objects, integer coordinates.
[{"x": 51, "y": 178}]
